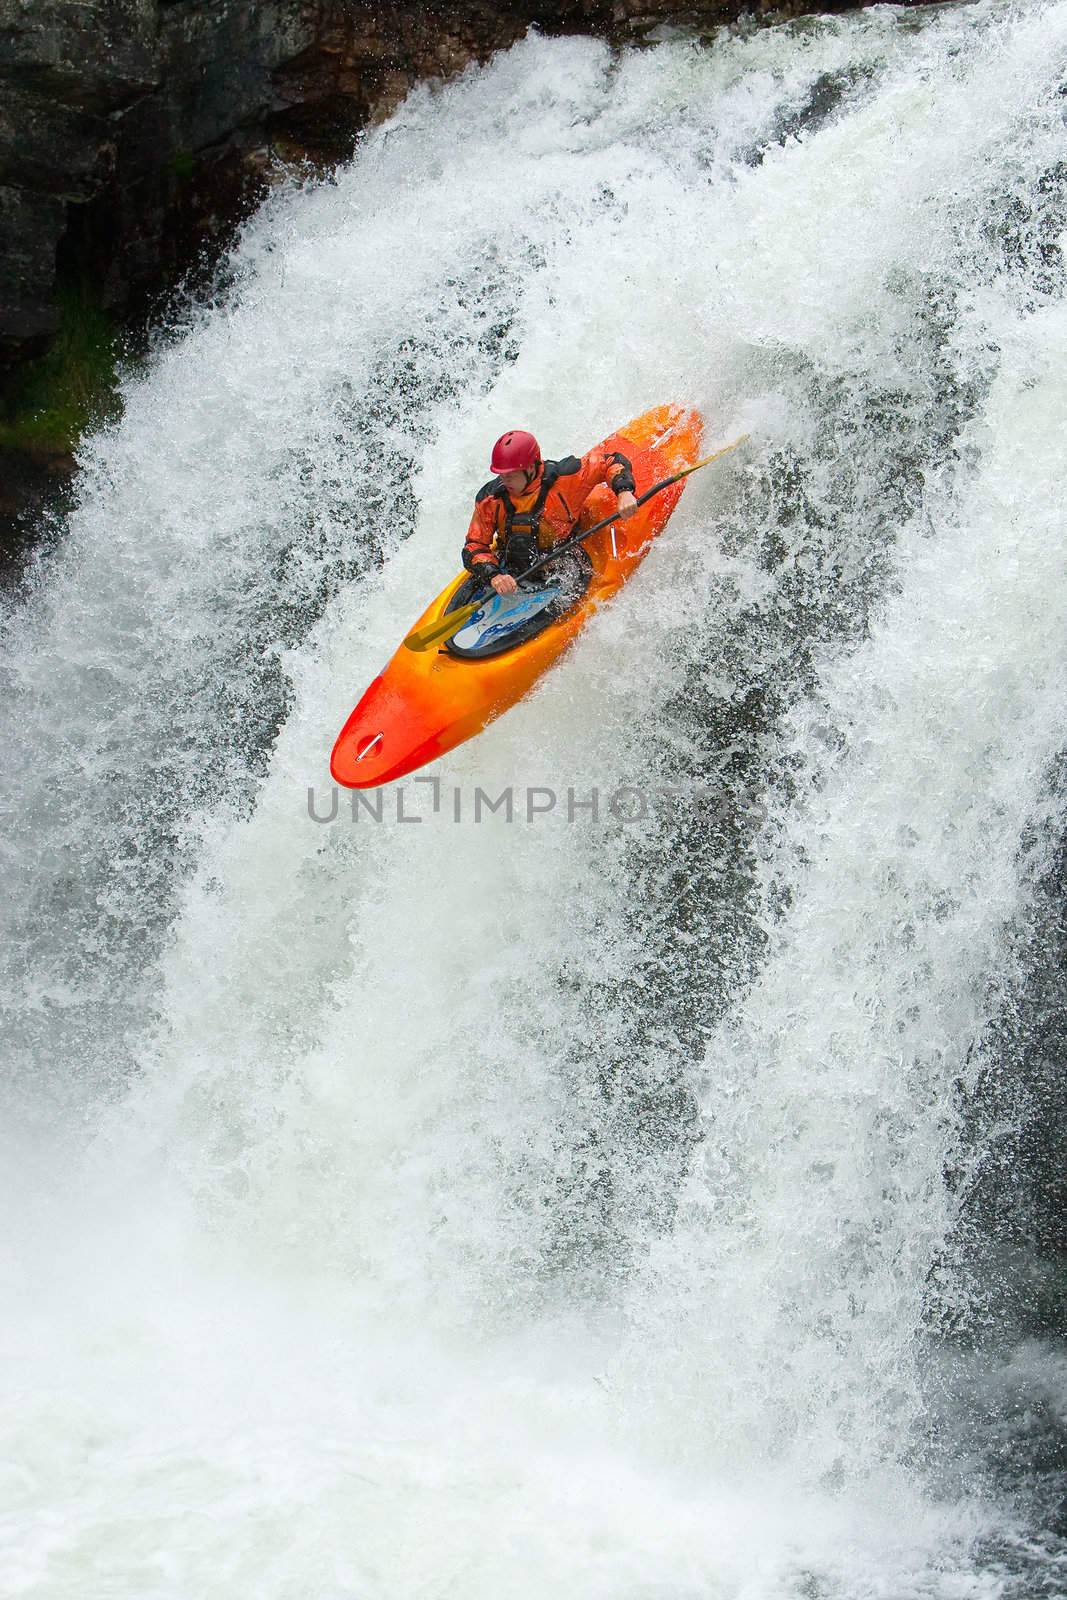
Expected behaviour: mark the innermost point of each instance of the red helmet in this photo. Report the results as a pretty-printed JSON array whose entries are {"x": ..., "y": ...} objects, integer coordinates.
[{"x": 516, "y": 452}]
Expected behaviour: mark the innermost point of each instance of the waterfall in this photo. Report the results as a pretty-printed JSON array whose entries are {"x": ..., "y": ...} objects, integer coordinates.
[{"x": 574, "y": 1204}]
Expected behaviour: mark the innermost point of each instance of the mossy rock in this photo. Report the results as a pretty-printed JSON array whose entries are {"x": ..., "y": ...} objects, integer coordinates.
[{"x": 72, "y": 387}]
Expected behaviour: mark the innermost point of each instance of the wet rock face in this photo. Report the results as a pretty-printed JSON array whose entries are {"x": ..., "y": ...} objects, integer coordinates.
[
  {"x": 105, "y": 106},
  {"x": 68, "y": 73},
  {"x": 34, "y": 486}
]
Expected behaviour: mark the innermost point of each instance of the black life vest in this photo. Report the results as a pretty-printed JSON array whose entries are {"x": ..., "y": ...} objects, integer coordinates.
[{"x": 529, "y": 522}]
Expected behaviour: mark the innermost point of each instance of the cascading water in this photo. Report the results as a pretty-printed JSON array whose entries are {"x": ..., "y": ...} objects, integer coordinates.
[{"x": 564, "y": 1206}]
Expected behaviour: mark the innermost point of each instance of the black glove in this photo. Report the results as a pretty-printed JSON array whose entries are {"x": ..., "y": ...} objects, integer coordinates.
[{"x": 484, "y": 570}]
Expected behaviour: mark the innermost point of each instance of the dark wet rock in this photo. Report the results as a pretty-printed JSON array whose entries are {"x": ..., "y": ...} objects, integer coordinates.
[
  {"x": 107, "y": 109},
  {"x": 33, "y": 482}
]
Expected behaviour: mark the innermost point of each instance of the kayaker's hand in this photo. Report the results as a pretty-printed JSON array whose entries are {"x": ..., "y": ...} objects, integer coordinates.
[
  {"x": 504, "y": 583},
  {"x": 627, "y": 505}
]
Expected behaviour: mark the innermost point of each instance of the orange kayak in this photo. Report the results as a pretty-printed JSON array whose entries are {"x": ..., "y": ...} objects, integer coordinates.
[{"x": 425, "y": 703}]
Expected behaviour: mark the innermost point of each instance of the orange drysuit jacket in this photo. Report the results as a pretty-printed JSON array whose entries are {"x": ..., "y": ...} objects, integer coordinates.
[{"x": 550, "y": 507}]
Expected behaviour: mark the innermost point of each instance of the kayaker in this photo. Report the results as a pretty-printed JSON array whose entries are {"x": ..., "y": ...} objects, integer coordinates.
[{"x": 530, "y": 505}]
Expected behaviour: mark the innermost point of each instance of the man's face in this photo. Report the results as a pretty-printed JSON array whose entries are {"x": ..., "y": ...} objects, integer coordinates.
[{"x": 514, "y": 482}]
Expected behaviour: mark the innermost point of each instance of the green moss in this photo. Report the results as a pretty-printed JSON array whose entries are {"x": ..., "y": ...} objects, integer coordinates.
[
  {"x": 71, "y": 387},
  {"x": 183, "y": 165}
]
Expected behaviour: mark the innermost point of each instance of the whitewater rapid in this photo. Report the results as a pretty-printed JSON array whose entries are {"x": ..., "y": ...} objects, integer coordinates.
[{"x": 550, "y": 1207}]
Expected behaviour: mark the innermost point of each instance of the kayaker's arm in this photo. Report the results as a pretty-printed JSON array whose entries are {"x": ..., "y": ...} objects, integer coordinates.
[
  {"x": 623, "y": 484},
  {"x": 622, "y": 475},
  {"x": 478, "y": 555},
  {"x": 612, "y": 468}
]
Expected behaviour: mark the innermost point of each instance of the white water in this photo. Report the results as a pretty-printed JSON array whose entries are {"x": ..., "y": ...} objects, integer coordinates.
[{"x": 545, "y": 1209}]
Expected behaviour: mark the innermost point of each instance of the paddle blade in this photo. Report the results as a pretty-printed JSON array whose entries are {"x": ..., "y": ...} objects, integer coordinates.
[
  {"x": 437, "y": 632},
  {"x": 725, "y": 451}
]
